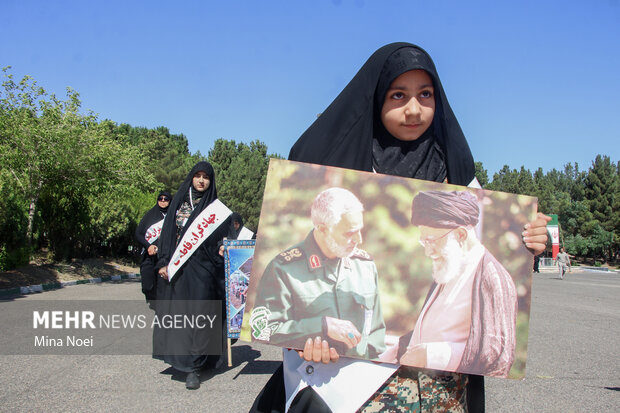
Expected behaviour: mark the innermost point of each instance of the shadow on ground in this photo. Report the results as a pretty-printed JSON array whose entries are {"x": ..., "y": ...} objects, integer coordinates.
[{"x": 243, "y": 354}]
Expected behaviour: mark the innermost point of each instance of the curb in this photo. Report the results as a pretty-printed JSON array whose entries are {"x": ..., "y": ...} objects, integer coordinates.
[
  {"x": 39, "y": 288},
  {"x": 602, "y": 269}
]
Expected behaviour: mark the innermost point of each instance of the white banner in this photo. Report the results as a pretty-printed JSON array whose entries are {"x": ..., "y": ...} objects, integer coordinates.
[
  {"x": 200, "y": 229},
  {"x": 152, "y": 234}
]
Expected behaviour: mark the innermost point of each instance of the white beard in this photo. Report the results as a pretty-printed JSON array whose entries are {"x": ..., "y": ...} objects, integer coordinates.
[
  {"x": 450, "y": 263},
  {"x": 336, "y": 249}
]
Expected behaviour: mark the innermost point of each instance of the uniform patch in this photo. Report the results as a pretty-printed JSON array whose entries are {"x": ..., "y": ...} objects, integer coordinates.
[
  {"x": 358, "y": 253},
  {"x": 259, "y": 321},
  {"x": 290, "y": 255},
  {"x": 315, "y": 261}
]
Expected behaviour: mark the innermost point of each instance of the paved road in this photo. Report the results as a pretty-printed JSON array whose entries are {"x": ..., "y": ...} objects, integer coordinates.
[{"x": 572, "y": 361}]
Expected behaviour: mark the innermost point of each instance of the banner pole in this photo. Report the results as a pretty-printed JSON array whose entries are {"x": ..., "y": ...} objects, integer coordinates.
[{"x": 229, "y": 352}]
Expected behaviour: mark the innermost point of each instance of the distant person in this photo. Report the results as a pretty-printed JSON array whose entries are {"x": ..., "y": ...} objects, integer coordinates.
[
  {"x": 563, "y": 262},
  {"x": 468, "y": 321},
  {"x": 147, "y": 234},
  {"x": 237, "y": 223},
  {"x": 537, "y": 263}
]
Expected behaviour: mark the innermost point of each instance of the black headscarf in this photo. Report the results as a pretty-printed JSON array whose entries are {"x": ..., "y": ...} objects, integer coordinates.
[
  {"x": 344, "y": 135},
  {"x": 168, "y": 237},
  {"x": 166, "y": 194},
  {"x": 234, "y": 233},
  {"x": 349, "y": 133},
  {"x": 152, "y": 216}
]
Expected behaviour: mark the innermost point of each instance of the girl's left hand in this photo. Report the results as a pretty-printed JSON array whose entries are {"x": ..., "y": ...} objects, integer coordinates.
[{"x": 535, "y": 233}]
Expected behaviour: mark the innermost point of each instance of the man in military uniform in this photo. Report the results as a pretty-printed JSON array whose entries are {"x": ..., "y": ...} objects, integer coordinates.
[{"x": 324, "y": 286}]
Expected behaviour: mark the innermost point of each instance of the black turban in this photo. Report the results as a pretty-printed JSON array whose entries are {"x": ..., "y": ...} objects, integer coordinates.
[{"x": 441, "y": 209}]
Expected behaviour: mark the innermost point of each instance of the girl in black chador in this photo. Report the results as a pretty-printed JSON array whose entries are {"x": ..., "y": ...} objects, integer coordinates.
[{"x": 392, "y": 118}]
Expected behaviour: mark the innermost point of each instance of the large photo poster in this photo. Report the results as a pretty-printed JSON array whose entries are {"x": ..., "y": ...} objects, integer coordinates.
[{"x": 392, "y": 269}]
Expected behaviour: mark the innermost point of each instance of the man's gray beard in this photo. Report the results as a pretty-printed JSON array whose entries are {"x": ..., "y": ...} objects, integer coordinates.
[
  {"x": 450, "y": 265},
  {"x": 335, "y": 248}
]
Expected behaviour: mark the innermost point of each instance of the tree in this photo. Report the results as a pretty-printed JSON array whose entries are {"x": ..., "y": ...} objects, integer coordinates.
[
  {"x": 54, "y": 153},
  {"x": 525, "y": 182},
  {"x": 481, "y": 174},
  {"x": 14, "y": 248},
  {"x": 545, "y": 191},
  {"x": 28, "y": 147},
  {"x": 602, "y": 188},
  {"x": 506, "y": 180},
  {"x": 240, "y": 172},
  {"x": 577, "y": 245},
  {"x": 167, "y": 155}
]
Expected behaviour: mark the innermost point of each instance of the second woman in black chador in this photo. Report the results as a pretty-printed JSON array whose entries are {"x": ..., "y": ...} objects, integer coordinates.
[
  {"x": 200, "y": 278},
  {"x": 148, "y": 274}
]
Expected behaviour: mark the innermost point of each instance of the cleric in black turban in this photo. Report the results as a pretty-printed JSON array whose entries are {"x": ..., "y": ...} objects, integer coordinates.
[
  {"x": 480, "y": 337},
  {"x": 441, "y": 209}
]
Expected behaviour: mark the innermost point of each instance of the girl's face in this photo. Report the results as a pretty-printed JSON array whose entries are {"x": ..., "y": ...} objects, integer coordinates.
[
  {"x": 409, "y": 105},
  {"x": 201, "y": 181}
]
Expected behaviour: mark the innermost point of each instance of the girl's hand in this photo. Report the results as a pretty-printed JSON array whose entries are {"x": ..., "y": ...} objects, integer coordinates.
[
  {"x": 535, "y": 233},
  {"x": 318, "y": 350}
]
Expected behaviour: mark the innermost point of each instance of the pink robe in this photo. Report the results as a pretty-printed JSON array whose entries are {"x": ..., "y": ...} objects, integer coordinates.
[{"x": 490, "y": 346}]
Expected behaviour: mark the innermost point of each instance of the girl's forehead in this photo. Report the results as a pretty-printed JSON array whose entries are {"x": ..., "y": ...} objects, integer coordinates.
[{"x": 413, "y": 76}]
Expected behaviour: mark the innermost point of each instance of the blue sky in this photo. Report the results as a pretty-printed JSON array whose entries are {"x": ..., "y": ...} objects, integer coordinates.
[{"x": 533, "y": 83}]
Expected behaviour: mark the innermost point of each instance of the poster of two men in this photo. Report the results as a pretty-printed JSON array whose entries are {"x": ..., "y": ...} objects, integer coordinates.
[{"x": 392, "y": 269}]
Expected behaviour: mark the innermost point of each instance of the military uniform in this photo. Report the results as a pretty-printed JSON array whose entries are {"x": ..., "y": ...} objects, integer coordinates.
[
  {"x": 417, "y": 390},
  {"x": 300, "y": 287}
]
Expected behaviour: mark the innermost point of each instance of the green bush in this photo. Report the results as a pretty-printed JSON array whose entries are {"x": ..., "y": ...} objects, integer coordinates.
[{"x": 13, "y": 259}]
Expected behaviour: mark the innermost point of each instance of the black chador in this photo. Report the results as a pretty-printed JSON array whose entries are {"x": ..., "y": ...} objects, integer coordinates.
[
  {"x": 200, "y": 278},
  {"x": 148, "y": 224},
  {"x": 350, "y": 134}
]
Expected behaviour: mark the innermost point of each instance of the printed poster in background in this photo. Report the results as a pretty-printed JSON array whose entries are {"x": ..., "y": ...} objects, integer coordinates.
[
  {"x": 238, "y": 256},
  {"x": 484, "y": 321}
]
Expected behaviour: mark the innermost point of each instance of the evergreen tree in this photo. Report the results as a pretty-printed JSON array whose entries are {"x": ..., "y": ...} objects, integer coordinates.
[
  {"x": 481, "y": 174},
  {"x": 602, "y": 189},
  {"x": 241, "y": 171}
]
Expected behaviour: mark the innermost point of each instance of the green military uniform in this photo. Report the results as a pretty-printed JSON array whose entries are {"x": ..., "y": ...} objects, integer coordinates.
[{"x": 300, "y": 287}]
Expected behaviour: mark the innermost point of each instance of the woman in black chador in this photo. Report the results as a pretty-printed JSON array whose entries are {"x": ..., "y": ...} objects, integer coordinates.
[
  {"x": 237, "y": 224},
  {"x": 150, "y": 244},
  {"x": 200, "y": 278},
  {"x": 392, "y": 118}
]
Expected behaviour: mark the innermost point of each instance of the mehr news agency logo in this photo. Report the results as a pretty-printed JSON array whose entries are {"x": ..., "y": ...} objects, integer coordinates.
[{"x": 83, "y": 319}]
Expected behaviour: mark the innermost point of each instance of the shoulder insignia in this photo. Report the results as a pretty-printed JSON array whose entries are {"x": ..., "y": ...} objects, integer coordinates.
[
  {"x": 290, "y": 255},
  {"x": 361, "y": 254}
]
